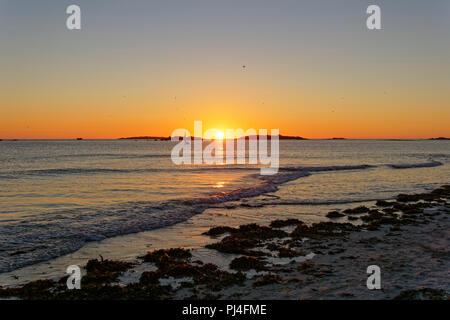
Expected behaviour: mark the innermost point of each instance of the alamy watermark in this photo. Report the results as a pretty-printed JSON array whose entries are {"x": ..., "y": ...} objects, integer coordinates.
[
  {"x": 374, "y": 20},
  {"x": 74, "y": 279},
  {"x": 234, "y": 146},
  {"x": 73, "y": 21},
  {"x": 374, "y": 280}
]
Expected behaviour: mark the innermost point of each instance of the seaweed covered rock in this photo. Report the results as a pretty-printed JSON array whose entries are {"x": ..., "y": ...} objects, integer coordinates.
[
  {"x": 101, "y": 272},
  {"x": 285, "y": 223},
  {"x": 323, "y": 229},
  {"x": 163, "y": 258},
  {"x": 216, "y": 231},
  {"x": 35, "y": 290},
  {"x": 255, "y": 231},
  {"x": 50, "y": 290},
  {"x": 357, "y": 210},
  {"x": 316, "y": 270},
  {"x": 246, "y": 237},
  {"x": 175, "y": 253},
  {"x": 334, "y": 214},
  {"x": 384, "y": 203},
  {"x": 208, "y": 275},
  {"x": 215, "y": 279},
  {"x": 188, "y": 270},
  {"x": 435, "y": 195},
  {"x": 149, "y": 278},
  {"x": 423, "y": 294},
  {"x": 247, "y": 263},
  {"x": 409, "y": 197},
  {"x": 373, "y": 216},
  {"x": 411, "y": 208},
  {"x": 289, "y": 253},
  {"x": 236, "y": 245},
  {"x": 105, "y": 266},
  {"x": 267, "y": 279}
]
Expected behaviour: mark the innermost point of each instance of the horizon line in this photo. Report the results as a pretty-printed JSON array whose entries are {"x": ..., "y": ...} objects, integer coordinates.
[{"x": 166, "y": 138}]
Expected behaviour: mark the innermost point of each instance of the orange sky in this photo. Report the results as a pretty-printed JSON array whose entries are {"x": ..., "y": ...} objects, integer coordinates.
[{"x": 57, "y": 111}]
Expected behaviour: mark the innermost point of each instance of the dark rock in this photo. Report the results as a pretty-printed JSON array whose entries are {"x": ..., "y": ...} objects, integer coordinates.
[
  {"x": 268, "y": 279},
  {"x": 232, "y": 244},
  {"x": 389, "y": 210},
  {"x": 357, "y": 210},
  {"x": 247, "y": 263},
  {"x": 259, "y": 232},
  {"x": 383, "y": 203},
  {"x": 149, "y": 278},
  {"x": 285, "y": 223},
  {"x": 323, "y": 229},
  {"x": 288, "y": 253},
  {"x": 102, "y": 271},
  {"x": 334, "y": 214},
  {"x": 173, "y": 253},
  {"x": 104, "y": 266},
  {"x": 423, "y": 294},
  {"x": 246, "y": 237},
  {"x": 215, "y": 231}
]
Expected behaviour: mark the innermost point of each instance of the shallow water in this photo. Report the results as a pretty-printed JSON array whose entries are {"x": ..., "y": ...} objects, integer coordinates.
[{"x": 58, "y": 196}]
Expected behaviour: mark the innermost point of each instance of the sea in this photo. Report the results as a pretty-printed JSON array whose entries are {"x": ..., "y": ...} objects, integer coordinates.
[{"x": 58, "y": 196}]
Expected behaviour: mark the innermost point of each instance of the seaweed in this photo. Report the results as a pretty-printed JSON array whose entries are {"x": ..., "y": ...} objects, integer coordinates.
[
  {"x": 288, "y": 253},
  {"x": 323, "y": 229},
  {"x": 357, "y": 210},
  {"x": 423, "y": 294},
  {"x": 216, "y": 231},
  {"x": 247, "y": 263},
  {"x": 267, "y": 279},
  {"x": 285, "y": 223},
  {"x": 334, "y": 214}
]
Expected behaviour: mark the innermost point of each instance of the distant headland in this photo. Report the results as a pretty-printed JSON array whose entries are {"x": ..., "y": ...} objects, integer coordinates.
[
  {"x": 280, "y": 137},
  {"x": 440, "y": 138},
  {"x": 146, "y": 138}
]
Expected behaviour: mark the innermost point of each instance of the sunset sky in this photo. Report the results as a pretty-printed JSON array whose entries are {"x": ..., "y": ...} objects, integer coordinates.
[{"x": 312, "y": 68}]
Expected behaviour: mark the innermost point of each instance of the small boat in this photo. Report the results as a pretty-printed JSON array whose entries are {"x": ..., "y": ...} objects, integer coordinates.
[{"x": 79, "y": 139}]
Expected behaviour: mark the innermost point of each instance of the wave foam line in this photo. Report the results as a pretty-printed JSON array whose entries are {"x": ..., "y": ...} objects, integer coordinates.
[
  {"x": 270, "y": 185},
  {"x": 337, "y": 168}
]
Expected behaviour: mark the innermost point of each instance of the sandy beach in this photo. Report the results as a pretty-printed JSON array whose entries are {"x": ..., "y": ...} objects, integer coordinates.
[{"x": 285, "y": 259}]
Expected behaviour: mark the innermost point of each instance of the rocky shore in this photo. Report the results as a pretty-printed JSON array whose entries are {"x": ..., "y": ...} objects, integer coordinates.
[{"x": 408, "y": 238}]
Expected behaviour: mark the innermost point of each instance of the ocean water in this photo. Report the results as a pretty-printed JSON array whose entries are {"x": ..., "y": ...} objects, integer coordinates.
[{"x": 58, "y": 196}]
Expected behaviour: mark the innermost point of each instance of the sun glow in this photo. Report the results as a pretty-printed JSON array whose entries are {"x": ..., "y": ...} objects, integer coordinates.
[
  {"x": 220, "y": 135},
  {"x": 213, "y": 134}
]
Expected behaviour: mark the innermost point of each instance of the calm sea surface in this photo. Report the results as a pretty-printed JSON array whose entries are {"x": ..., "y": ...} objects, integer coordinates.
[{"x": 56, "y": 196}]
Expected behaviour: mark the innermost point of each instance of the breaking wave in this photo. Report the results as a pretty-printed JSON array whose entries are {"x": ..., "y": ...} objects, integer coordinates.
[
  {"x": 328, "y": 168},
  {"x": 40, "y": 239},
  {"x": 69, "y": 171}
]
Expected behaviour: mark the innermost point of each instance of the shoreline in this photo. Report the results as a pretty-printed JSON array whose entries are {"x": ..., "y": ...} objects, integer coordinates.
[{"x": 286, "y": 259}]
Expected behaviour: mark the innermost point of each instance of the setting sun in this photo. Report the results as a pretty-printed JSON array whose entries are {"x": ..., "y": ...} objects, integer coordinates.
[{"x": 220, "y": 135}]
